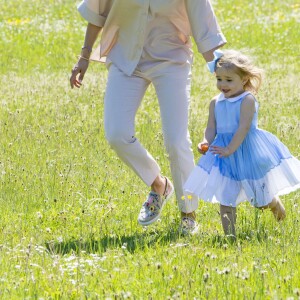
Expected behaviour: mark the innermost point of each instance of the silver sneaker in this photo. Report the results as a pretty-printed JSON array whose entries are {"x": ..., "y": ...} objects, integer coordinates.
[
  {"x": 152, "y": 207},
  {"x": 188, "y": 226}
]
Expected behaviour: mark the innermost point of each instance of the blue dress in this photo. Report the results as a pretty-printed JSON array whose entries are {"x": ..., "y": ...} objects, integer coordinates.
[{"x": 261, "y": 168}]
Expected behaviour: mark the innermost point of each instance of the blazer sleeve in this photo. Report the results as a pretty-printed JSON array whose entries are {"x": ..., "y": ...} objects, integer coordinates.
[
  {"x": 95, "y": 11},
  {"x": 204, "y": 26}
]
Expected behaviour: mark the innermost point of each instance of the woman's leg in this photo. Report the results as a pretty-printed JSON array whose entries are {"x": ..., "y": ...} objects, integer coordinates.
[
  {"x": 228, "y": 218},
  {"x": 172, "y": 86},
  {"x": 122, "y": 100}
]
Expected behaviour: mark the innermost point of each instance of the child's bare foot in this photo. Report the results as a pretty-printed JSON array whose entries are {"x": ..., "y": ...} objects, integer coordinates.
[{"x": 277, "y": 209}]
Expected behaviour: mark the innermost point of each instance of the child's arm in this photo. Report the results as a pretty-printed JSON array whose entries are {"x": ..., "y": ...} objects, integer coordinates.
[
  {"x": 210, "y": 130},
  {"x": 246, "y": 116}
]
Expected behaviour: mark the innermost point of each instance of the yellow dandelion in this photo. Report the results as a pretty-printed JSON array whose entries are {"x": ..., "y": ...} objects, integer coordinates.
[{"x": 17, "y": 22}]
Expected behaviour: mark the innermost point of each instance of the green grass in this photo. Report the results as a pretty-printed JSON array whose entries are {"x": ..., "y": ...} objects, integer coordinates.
[{"x": 68, "y": 226}]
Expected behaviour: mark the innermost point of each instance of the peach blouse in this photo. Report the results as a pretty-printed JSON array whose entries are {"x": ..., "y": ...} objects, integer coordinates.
[{"x": 156, "y": 30}]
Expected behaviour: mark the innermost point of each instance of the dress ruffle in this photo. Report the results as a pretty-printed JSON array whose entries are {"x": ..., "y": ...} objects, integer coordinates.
[{"x": 261, "y": 168}]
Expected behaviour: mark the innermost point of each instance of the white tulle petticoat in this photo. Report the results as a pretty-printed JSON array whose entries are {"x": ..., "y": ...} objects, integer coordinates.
[{"x": 216, "y": 188}]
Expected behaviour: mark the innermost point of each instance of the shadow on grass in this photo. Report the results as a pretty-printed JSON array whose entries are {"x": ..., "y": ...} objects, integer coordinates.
[{"x": 131, "y": 243}]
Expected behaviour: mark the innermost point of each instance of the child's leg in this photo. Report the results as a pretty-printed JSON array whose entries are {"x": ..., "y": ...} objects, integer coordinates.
[
  {"x": 277, "y": 208},
  {"x": 228, "y": 218}
]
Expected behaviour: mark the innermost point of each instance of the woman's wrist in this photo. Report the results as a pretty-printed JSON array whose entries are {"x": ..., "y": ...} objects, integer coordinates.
[
  {"x": 84, "y": 58},
  {"x": 88, "y": 48},
  {"x": 86, "y": 52}
]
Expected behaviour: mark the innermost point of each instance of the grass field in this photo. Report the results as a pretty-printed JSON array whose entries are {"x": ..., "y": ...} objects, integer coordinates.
[{"x": 68, "y": 226}]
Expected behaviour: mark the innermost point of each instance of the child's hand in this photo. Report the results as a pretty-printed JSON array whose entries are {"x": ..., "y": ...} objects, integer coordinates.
[
  {"x": 203, "y": 147},
  {"x": 221, "y": 151}
]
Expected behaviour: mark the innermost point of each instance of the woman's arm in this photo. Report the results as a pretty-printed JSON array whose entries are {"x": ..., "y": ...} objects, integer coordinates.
[
  {"x": 246, "y": 116},
  {"x": 205, "y": 28},
  {"x": 91, "y": 34},
  {"x": 210, "y": 130}
]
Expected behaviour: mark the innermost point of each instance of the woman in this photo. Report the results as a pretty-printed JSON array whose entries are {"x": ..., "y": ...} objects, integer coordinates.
[{"x": 144, "y": 42}]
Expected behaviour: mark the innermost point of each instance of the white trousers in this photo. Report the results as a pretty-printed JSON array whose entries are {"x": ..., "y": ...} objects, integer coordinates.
[{"x": 122, "y": 99}]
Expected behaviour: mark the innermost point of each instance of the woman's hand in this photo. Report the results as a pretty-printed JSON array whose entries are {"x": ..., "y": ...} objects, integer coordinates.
[
  {"x": 79, "y": 68},
  {"x": 203, "y": 147},
  {"x": 91, "y": 34},
  {"x": 221, "y": 151}
]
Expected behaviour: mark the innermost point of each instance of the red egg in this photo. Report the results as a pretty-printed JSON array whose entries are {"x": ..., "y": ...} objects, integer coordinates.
[{"x": 204, "y": 148}]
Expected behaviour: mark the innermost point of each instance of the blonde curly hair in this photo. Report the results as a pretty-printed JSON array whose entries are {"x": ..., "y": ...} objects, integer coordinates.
[{"x": 244, "y": 67}]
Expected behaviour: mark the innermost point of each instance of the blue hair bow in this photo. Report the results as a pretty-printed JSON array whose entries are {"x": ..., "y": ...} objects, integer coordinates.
[{"x": 211, "y": 65}]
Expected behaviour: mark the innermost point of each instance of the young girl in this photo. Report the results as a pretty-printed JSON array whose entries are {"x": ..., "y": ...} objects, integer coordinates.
[{"x": 243, "y": 162}]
